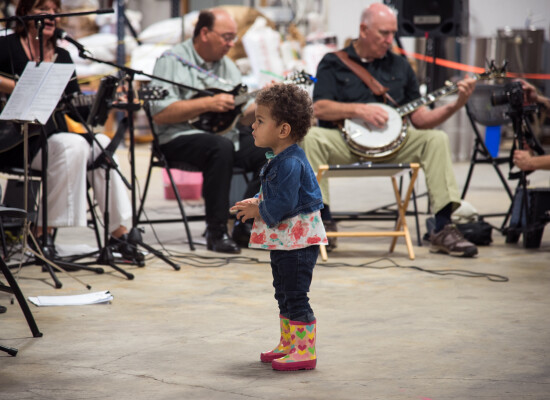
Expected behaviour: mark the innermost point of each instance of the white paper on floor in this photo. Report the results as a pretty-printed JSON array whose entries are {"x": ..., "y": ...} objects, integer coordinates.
[{"x": 73, "y": 300}]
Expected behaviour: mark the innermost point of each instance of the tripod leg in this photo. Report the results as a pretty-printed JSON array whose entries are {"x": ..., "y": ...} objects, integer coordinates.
[
  {"x": 106, "y": 258},
  {"x": 134, "y": 238},
  {"x": 126, "y": 274},
  {"x": 10, "y": 350},
  {"x": 50, "y": 269},
  {"x": 20, "y": 299},
  {"x": 69, "y": 266}
]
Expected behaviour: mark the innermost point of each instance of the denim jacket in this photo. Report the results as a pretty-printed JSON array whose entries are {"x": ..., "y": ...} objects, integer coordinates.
[{"x": 289, "y": 187}]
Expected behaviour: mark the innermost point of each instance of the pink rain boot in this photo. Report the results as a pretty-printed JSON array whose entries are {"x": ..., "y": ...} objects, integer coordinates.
[
  {"x": 283, "y": 347},
  {"x": 302, "y": 349}
]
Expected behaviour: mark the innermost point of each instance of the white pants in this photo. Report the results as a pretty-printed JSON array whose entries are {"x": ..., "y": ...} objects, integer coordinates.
[{"x": 69, "y": 154}]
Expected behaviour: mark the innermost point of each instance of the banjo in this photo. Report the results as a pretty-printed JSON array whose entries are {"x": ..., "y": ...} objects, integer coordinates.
[{"x": 368, "y": 141}]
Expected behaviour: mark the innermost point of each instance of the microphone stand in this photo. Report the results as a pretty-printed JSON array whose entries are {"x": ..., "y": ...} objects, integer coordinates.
[
  {"x": 41, "y": 17},
  {"x": 106, "y": 161},
  {"x": 135, "y": 237},
  {"x": 47, "y": 258}
]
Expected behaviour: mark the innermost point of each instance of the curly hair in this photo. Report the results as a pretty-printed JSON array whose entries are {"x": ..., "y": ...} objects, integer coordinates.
[{"x": 291, "y": 104}]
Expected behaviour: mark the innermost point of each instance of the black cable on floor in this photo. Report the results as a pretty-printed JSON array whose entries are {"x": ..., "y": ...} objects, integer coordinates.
[
  {"x": 216, "y": 262},
  {"x": 457, "y": 272}
]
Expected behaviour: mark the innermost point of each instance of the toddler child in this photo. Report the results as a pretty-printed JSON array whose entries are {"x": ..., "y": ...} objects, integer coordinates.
[{"x": 287, "y": 220}]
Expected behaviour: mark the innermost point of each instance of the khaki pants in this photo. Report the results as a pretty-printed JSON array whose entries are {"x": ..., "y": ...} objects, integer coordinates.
[{"x": 429, "y": 148}]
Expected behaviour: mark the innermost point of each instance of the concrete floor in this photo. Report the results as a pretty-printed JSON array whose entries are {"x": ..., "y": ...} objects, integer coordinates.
[{"x": 386, "y": 330}]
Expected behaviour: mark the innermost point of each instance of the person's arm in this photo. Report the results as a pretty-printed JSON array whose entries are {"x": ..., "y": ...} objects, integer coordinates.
[
  {"x": 8, "y": 62},
  {"x": 273, "y": 209},
  {"x": 6, "y": 85},
  {"x": 184, "y": 110},
  {"x": 330, "y": 110},
  {"x": 532, "y": 96},
  {"x": 525, "y": 161},
  {"x": 425, "y": 118},
  {"x": 181, "y": 105},
  {"x": 328, "y": 104}
]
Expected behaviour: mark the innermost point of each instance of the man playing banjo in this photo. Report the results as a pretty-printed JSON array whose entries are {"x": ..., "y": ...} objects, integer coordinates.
[{"x": 340, "y": 94}]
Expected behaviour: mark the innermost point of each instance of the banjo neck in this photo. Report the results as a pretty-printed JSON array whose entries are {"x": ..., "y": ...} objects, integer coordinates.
[{"x": 430, "y": 98}]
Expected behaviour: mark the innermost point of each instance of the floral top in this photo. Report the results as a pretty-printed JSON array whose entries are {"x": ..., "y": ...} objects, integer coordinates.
[{"x": 293, "y": 233}]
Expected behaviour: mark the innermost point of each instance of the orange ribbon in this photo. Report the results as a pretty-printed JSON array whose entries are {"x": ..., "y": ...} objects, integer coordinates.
[{"x": 464, "y": 67}]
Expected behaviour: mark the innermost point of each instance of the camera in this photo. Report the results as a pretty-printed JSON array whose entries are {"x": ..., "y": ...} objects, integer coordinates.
[{"x": 512, "y": 95}]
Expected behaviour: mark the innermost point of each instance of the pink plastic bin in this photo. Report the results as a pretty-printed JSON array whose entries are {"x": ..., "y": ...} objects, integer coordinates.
[{"x": 189, "y": 184}]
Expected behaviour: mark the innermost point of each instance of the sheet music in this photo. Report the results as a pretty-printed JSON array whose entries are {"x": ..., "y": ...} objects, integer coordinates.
[
  {"x": 37, "y": 92},
  {"x": 73, "y": 300}
]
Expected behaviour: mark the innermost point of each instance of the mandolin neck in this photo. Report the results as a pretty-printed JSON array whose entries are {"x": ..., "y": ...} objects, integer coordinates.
[{"x": 243, "y": 98}]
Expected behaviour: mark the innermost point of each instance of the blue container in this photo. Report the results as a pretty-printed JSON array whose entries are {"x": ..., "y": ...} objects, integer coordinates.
[{"x": 492, "y": 139}]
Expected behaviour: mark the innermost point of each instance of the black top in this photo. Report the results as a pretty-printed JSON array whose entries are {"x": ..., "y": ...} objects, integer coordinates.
[
  {"x": 13, "y": 60},
  {"x": 335, "y": 81}
]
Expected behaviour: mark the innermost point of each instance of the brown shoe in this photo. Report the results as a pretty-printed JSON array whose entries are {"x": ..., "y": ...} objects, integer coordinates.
[
  {"x": 330, "y": 226},
  {"x": 451, "y": 241}
]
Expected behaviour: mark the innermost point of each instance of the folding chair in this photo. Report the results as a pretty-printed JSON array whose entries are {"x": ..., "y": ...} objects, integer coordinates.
[{"x": 366, "y": 170}]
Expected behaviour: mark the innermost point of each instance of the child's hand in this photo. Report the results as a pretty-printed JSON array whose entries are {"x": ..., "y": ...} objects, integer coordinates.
[{"x": 246, "y": 209}]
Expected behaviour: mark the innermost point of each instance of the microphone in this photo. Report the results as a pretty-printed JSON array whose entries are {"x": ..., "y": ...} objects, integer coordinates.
[{"x": 61, "y": 34}]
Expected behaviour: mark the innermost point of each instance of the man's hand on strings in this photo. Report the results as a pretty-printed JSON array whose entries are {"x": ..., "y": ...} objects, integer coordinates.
[
  {"x": 222, "y": 102},
  {"x": 372, "y": 114},
  {"x": 465, "y": 89}
]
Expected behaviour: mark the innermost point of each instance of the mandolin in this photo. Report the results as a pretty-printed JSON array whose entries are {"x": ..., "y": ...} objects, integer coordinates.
[{"x": 219, "y": 123}]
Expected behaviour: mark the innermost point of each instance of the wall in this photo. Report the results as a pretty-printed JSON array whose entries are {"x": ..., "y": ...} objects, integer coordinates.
[
  {"x": 158, "y": 10},
  {"x": 486, "y": 16}
]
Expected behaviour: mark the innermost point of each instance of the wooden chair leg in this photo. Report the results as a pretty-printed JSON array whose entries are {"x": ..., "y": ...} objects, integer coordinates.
[{"x": 323, "y": 252}]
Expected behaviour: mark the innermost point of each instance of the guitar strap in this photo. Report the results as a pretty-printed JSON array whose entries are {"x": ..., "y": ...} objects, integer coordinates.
[
  {"x": 201, "y": 70},
  {"x": 376, "y": 87}
]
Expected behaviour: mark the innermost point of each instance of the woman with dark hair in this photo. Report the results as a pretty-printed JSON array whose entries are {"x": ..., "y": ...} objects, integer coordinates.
[{"x": 69, "y": 154}]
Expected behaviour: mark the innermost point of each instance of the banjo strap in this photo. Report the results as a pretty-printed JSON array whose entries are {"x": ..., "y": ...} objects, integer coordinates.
[{"x": 376, "y": 87}]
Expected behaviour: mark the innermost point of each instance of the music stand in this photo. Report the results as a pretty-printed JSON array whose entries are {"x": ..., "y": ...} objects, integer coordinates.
[{"x": 32, "y": 102}]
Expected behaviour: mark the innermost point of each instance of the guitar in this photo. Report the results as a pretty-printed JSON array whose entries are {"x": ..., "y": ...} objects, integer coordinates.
[
  {"x": 370, "y": 142},
  {"x": 219, "y": 123},
  {"x": 10, "y": 132}
]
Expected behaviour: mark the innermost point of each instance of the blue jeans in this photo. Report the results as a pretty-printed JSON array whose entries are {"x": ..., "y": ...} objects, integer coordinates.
[{"x": 292, "y": 273}]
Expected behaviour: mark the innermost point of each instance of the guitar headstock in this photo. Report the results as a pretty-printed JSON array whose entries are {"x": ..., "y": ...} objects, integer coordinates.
[
  {"x": 300, "y": 78},
  {"x": 152, "y": 93}
]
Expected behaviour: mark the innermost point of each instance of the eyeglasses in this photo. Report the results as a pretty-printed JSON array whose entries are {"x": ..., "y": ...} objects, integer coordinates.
[{"x": 227, "y": 37}]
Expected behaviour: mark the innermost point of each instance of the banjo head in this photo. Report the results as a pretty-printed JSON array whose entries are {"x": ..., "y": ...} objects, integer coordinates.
[{"x": 369, "y": 141}]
